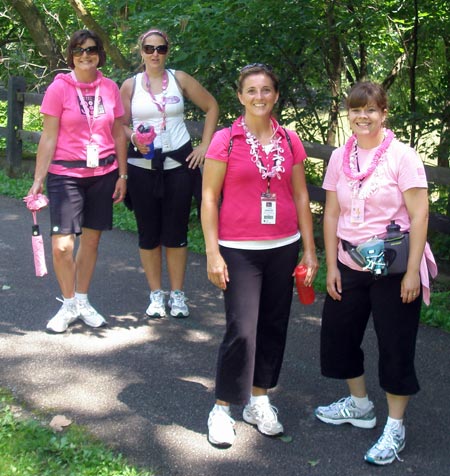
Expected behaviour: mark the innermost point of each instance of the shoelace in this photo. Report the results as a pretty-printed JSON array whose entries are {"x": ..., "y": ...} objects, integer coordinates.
[
  {"x": 386, "y": 442},
  {"x": 178, "y": 298},
  {"x": 267, "y": 412},
  {"x": 158, "y": 297},
  {"x": 341, "y": 405}
]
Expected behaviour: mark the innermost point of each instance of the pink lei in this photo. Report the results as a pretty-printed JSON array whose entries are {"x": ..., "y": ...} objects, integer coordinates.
[{"x": 351, "y": 156}]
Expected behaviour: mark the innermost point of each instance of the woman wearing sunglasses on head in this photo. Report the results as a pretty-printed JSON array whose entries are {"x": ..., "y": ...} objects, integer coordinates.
[
  {"x": 255, "y": 171},
  {"x": 164, "y": 168},
  {"x": 82, "y": 152}
]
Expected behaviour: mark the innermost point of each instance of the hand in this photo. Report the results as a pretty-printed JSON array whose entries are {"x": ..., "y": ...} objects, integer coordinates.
[
  {"x": 309, "y": 259},
  {"x": 217, "y": 271},
  {"x": 334, "y": 284},
  {"x": 410, "y": 287},
  {"x": 120, "y": 190},
  {"x": 197, "y": 156},
  {"x": 36, "y": 188}
]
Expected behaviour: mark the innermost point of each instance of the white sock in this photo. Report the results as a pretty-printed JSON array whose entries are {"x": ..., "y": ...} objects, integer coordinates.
[
  {"x": 69, "y": 301},
  {"x": 394, "y": 422},
  {"x": 223, "y": 408},
  {"x": 259, "y": 399},
  {"x": 81, "y": 297},
  {"x": 361, "y": 403}
]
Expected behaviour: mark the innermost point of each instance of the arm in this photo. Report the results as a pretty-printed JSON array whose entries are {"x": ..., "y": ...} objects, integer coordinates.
[
  {"x": 416, "y": 201},
  {"x": 213, "y": 177},
  {"x": 330, "y": 222},
  {"x": 120, "y": 142},
  {"x": 46, "y": 149},
  {"x": 305, "y": 223},
  {"x": 196, "y": 93}
]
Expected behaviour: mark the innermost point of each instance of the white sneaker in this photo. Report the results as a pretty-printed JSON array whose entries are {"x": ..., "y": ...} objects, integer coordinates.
[
  {"x": 89, "y": 315},
  {"x": 388, "y": 446},
  {"x": 67, "y": 314},
  {"x": 220, "y": 428},
  {"x": 265, "y": 417},
  {"x": 177, "y": 304},
  {"x": 346, "y": 411},
  {"x": 156, "y": 308}
]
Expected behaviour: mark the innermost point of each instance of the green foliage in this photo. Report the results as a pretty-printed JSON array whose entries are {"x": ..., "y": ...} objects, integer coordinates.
[
  {"x": 438, "y": 313},
  {"x": 28, "y": 448}
]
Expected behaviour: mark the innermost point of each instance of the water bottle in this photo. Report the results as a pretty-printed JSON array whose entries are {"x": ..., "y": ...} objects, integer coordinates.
[{"x": 305, "y": 293}]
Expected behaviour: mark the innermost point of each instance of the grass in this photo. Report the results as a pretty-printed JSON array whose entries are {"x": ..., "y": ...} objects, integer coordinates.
[{"x": 29, "y": 447}]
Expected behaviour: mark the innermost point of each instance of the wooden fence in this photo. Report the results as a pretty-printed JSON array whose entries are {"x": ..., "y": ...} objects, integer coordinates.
[{"x": 17, "y": 99}]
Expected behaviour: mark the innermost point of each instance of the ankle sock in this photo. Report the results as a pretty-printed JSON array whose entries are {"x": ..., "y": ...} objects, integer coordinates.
[
  {"x": 259, "y": 399},
  {"x": 361, "y": 403},
  {"x": 81, "y": 297},
  {"x": 394, "y": 422},
  {"x": 223, "y": 408},
  {"x": 69, "y": 301}
]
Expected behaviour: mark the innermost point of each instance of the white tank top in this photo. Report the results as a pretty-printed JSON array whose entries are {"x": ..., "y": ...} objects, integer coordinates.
[{"x": 145, "y": 111}]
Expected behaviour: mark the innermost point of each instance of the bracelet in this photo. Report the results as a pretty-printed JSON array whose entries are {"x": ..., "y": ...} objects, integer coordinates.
[
  {"x": 123, "y": 176},
  {"x": 131, "y": 138}
]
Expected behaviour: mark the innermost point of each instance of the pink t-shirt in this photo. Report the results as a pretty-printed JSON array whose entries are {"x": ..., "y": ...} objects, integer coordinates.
[
  {"x": 61, "y": 100},
  {"x": 240, "y": 212},
  {"x": 400, "y": 169}
]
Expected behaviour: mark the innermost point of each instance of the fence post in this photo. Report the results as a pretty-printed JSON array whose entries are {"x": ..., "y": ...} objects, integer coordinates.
[{"x": 16, "y": 84}]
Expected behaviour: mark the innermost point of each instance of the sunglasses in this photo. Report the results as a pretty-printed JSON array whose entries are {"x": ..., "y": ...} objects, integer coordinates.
[
  {"x": 263, "y": 66},
  {"x": 90, "y": 50},
  {"x": 150, "y": 49}
]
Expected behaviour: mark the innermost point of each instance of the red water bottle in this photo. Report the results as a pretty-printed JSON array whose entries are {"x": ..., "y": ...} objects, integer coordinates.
[{"x": 305, "y": 293}]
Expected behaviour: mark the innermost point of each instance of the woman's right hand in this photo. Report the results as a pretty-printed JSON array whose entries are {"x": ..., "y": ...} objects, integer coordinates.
[
  {"x": 36, "y": 188},
  {"x": 217, "y": 271},
  {"x": 334, "y": 286}
]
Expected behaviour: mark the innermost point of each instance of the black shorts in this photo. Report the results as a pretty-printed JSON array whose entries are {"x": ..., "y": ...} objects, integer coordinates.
[
  {"x": 77, "y": 203},
  {"x": 161, "y": 221}
]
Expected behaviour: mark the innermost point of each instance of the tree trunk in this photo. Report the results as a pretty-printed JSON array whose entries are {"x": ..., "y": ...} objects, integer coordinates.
[
  {"x": 39, "y": 33},
  {"x": 116, "y": 56}
]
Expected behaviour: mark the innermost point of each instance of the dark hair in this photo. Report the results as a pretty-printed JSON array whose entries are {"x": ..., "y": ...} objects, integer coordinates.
[
  {"x": 364, "y": 92},
  {"x": 77, "y": 39},
  {"x": 153, "y": 31},
  {"x": 257, "y": 68}
]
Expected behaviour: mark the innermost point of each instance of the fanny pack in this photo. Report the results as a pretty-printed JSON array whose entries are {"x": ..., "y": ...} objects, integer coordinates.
[{"x": 382, "y": 256}]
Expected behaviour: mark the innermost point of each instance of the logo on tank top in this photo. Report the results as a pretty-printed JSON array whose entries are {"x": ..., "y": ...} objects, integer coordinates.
[{"x": 172, "y": 100}]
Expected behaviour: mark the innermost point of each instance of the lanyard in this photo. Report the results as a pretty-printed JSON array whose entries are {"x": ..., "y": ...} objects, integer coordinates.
[
  {"x": 90, "y": 119},
  {"x": 161, "y": 105}
]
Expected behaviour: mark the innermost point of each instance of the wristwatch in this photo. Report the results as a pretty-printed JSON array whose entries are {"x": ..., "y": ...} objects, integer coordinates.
[{"x": 124, "y": 176}]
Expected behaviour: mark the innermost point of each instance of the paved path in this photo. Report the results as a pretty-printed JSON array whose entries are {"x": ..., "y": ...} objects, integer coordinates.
[{"x": 146, "y": 387}]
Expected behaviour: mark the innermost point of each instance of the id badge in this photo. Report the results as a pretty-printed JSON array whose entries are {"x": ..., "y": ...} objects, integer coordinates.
[
  {"x": 92, "y": 155},
  {"x": 165, "y": 141},
  {"x": 268, "y": 208},
  {"x": 357, "y": 212}
]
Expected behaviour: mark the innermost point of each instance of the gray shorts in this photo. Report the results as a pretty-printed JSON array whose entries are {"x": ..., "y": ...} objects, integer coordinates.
[{"x": 77, "y": 203}]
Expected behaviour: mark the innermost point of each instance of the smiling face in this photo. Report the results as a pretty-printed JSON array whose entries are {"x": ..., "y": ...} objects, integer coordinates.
[
  {"x": 258, "y": 94},
  {"x": 87, "y": 62},
  {"x": 367, "y": 121}
]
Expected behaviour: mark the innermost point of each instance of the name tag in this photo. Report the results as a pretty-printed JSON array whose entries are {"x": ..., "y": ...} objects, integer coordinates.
[
  {"x": 268, "y": 208},
  {"x": 357, "y": 212},
  {"x": 92, "y": 155},
  {"x": 166, "y": 142}
]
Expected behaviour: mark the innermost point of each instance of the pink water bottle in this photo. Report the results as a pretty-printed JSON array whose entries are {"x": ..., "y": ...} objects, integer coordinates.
[{"x": 305, "y": 293}]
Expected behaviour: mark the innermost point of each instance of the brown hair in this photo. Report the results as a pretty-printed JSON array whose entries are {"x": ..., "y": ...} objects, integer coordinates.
[
  {"x": 77, "y": 39},
  {"x": 364, "y": 92},
  {"x": 257, "y": 68},
  {"x": 153, "y": 31}
]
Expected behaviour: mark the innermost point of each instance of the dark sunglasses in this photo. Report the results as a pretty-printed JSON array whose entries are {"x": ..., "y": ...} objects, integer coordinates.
[
  {"x": 263, "y": 66},
  {"x": 150, "y": 49},
  {"x": 90, "y": 50}
]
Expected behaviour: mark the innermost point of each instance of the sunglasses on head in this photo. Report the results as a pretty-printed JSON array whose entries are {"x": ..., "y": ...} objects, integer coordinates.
[
  {"x": 150, "y": 49},
  {"x": 263, "y": 66},
  {"x": 90, "y": 50}
]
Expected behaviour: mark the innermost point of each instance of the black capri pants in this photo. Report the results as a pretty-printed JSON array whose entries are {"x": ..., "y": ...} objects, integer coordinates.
[
  {"x": 161, "y": 220},
  {"x": 396, "y": 324},
  {"x": 257, "y": 306}
]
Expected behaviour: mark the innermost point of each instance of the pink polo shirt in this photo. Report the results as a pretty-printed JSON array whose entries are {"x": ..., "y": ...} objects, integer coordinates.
[{"x": 400, "y": 169}]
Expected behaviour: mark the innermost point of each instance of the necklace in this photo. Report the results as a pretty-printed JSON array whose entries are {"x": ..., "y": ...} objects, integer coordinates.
[
  {"x": 350, "y": 161},
  {"x": 255, "y": 146}
]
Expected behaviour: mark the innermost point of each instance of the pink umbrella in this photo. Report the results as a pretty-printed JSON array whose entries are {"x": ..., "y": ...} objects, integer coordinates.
[{"x": 34, "y": 204}]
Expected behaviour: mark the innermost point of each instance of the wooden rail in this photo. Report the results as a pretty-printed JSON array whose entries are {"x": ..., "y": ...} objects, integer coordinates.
[{"x": 17, "y": 99}]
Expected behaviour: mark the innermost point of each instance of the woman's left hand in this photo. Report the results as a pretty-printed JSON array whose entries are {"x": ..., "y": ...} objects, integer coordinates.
[
  {"x": 120, "y": 190},
  {"x": 410, "y": 287},
  {"x": 310, "y": 261},
  {"x": 197, "y": 156}
]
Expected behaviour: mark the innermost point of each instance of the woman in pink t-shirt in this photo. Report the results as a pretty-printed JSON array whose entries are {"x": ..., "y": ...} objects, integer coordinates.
[
  {"x": 82, "y": 157},
  {"x": 370, "y": 181},
  {"x": 255, "y": 171}
]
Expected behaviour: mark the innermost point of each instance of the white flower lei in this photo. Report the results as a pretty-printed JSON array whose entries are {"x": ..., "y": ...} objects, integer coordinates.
[{"x": 277, "y": 167}]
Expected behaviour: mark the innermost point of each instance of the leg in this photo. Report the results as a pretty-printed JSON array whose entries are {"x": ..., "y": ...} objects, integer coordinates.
[
  {"x": 397, "y": 405},
  {"x": 176, "y": 266},
  {"x": 152, "y": 263},
  {"x": 86, "y": 258},
  {"x": 64, "y": 264}
]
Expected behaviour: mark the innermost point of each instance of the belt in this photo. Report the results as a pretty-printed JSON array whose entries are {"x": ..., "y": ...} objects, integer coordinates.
[{"x": 75, "y": 164}]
